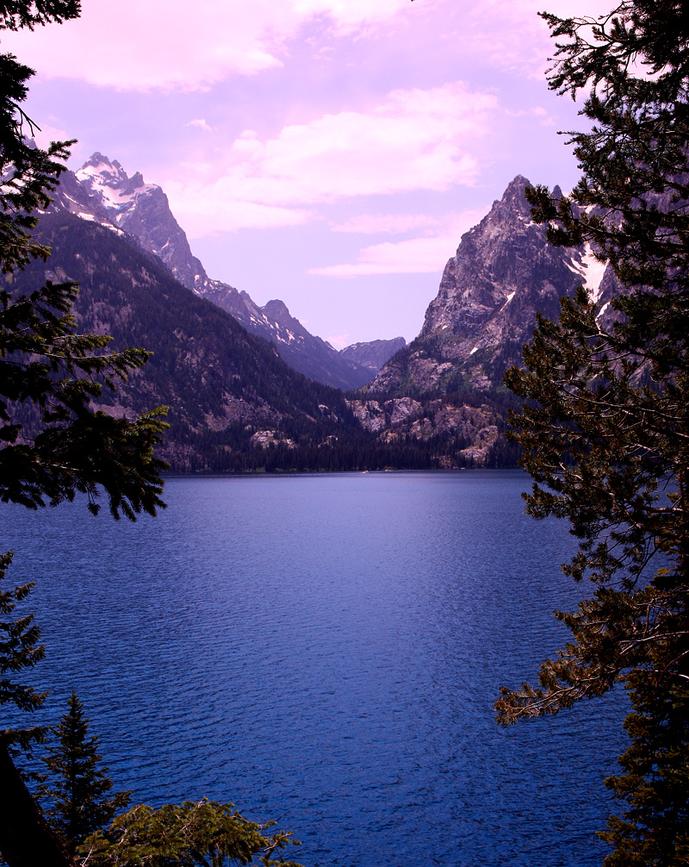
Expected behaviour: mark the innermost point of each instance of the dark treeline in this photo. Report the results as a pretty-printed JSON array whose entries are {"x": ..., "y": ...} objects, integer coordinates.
[{"x": 231, "y": 452}]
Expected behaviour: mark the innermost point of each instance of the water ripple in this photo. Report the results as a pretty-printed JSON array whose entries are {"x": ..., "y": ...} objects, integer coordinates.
[{"x": 325, "y": 651}]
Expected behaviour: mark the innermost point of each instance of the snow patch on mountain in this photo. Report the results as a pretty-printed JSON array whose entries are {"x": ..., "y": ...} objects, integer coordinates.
[
  {"x": 101, "y": 187},
  {"x": 108, "y": 180},
  {"x": 588, "y": 266}
]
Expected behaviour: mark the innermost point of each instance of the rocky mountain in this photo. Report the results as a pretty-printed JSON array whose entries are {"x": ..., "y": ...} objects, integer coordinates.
[
  {"x": 230, "y": 395},
  {"x": 437, "y": 402},
  {"x": 503, "y": 273},
  {"x": 373, "y": 354},
  {"x": 102, "y": 190},
  {"x": 233, "y": 403},
  {"x": 303, "y": 351}
]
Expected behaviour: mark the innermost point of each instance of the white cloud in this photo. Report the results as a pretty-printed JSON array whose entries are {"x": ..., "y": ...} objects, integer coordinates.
[
  {"x": 202, "y": 217},
  {"x": 413, "y": 256},
  {"x": 200, "y": 123},
  {"x": 150, "y": 44},
  {"x": 512, "y": 35},
  {"x": 339, "y": 341},
  {"x": 539, "y": 114},
  {"x": 385, "y": 224},
  {"x": 421, "y": 255},
  {"x": 349, "y": 15},
  {"x": 412, "y": 140},
  {"x": 144, "y": 45},
  {"x": 47, "y": 133}
]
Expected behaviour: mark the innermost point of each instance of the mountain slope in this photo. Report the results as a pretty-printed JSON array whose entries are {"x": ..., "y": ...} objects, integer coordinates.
[
  {"x": 228, "y": 391},
  {"x": 503, "y": 274},
  {"x": 143, "y": 211},
  {"x": 374, "y": 353}
]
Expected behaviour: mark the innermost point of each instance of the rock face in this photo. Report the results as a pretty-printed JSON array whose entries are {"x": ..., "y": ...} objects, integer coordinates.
[
  {"x": 142, "y": 210},
  {"x": 102, "y": 191},
  {"x": 373, "y": 354},
  {"x": 456, "y": 434},
  {"x": 503, "y": 274}
]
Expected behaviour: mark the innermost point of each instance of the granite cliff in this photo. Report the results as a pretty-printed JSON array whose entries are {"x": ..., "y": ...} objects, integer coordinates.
[{"x": 503, "y": 274}]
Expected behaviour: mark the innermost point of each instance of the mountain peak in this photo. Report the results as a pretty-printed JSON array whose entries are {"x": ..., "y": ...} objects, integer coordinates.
[
  {"x": 277, "y": 310},
  {"x": 97, "y": 159},
  {"x": 117, "y": 192},
  {"x": 513, "y": 207},
  {"x": 519, "y": 182},
  {"x": 98, "y": 165},
  {"x": 515, "y": 192}
]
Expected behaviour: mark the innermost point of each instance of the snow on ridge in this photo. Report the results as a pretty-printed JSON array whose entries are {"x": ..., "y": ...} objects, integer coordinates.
[
  {"x": 84, "y": 215},
  {"x": 510, "y": 296},
  {"x": 591, "y": 270},
  {"x": 594, "y": 272},
  {"x": 89, "y": 170},
  {"x": 110, "y": 180},
  {"x": 602, "y": 310}
]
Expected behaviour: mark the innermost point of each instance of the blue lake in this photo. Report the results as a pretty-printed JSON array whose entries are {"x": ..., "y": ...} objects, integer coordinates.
[{"x": 326, "y": 651}]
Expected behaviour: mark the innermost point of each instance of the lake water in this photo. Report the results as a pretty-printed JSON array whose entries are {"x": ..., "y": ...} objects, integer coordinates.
[{"x": 325, "y": 651}]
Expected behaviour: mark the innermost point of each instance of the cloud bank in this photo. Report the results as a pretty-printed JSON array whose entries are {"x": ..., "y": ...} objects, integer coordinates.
[
  {"x": 411, "y": 140},
  {"x": 143, "y": 45}
]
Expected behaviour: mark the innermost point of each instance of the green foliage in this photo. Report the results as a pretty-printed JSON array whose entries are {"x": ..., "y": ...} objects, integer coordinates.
[
  {"x": 15, "y": 14},
  {"x": 605, "y": 426},
  {"x": 53, "y": 442},
  {"x": 19, "y": 650},
  {"x": 47, "y": 370},
  {"x": 80, "y": 795},
  {"x": 70, "y": 447},
  {"x": 655, "y": 778},
  {"x": 634, "y": 159},
  {"x": 29, "y": 174},
  {"x": 202, "y": 834}
]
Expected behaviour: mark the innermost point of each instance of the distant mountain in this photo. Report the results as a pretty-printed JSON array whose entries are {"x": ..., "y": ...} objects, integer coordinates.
[
  {"x": 303, "y": 351},
  {"x": 503, "y": 274},
  {"x": 438, "y": 402},
  {"x": 229, "y": 393},
  {"x": 142, "y": 210},
  {"x": 374, "y": 354}
]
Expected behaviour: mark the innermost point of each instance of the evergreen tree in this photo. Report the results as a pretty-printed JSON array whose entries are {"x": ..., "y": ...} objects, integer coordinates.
[
  {"x": 19, "y": 813},
  {"x": 80, "y": 795},
  {"x": 19, "y": 650},
  {"x": 193, "y": 834},
  {"x": 53, "y": 444},
  {"x": 605, "y": 426}
]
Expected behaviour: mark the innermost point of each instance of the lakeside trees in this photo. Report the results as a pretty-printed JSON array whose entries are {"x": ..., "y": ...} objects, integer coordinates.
[
  {"x": 605, "y": 426},
  {"x": 54, "y": 445},
  {"x": 79, "y": 793},
  {"x": 81, "y": 803}
]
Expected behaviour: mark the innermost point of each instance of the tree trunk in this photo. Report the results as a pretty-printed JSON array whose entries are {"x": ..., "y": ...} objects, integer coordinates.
[{"x": 25, "y": 838}]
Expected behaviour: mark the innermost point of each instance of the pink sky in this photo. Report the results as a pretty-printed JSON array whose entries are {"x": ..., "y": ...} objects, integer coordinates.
[{"x": 326, "y": 152}]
